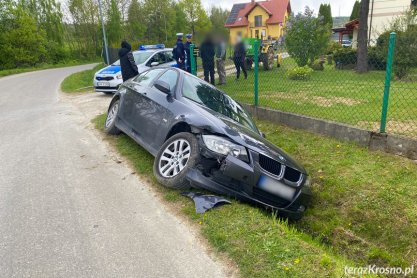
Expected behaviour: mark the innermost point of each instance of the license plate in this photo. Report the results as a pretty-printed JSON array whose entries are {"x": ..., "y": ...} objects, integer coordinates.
[
  {"x": 276, "y": 188},
  {"x": 103, "y": 84}
]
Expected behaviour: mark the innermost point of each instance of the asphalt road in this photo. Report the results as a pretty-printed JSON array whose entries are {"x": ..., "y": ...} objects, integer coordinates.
[{"x": 68, "y": 208}]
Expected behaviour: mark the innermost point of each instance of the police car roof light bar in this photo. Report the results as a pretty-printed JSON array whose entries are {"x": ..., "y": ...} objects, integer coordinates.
[{"x": 152, "y": 46}]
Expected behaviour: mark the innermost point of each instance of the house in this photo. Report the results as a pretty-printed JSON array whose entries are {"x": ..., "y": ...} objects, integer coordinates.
[
  {"x": 381, "y": 14},
  {"x": 263, "y": 19}
]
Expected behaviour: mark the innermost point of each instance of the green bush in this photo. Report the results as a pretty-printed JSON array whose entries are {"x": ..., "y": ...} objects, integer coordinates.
[
  {"x": 300, "y": 73},
  {"x": 345, "y": 56},
  {"x": 318, "y": 65},
  {"x": 376, "y": 58}
]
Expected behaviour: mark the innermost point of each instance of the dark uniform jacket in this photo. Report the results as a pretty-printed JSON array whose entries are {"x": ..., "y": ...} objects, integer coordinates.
[
  {"x": 127, "y": 63},
  {"x": 240, "y": 52},
  {"x": 179, "y": 51}
]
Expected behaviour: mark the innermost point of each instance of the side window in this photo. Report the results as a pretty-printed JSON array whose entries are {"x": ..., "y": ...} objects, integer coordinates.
[
  {"x": 158, "y": 57},
  {"x": 147, "y": 77},
  {"x": 170, "y": 77},
  {"x": 169, "y": 57}
]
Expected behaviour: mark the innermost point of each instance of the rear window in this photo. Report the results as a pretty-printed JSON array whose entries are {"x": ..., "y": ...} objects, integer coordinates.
[{"x": 148, "y": 76}]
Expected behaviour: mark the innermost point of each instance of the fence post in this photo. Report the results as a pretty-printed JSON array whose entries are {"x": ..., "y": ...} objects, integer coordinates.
[
  {"x": 192, "y": 60},
  {"x": 256, "y": 71},
  {"x": 388, "y": 72}
]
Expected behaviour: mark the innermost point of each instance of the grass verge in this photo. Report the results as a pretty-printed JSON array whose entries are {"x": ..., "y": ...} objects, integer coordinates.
[
  {"x": 80, "y": 81},
  {"x": 261, "y": 244},
  {"x": 42, "y": 67}
]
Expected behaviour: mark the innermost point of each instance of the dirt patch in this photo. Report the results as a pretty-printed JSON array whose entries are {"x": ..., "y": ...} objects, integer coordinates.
[
  {"x": 407, "y": 128},
  {"x": 301, "y": 98}
]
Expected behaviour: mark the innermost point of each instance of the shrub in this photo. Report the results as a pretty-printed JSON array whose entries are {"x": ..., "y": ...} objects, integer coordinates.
[
  {"x": 345, "y": 56},
  {"x": 318, "y": 65},
  {"x": 300, "y": 73},
  {"x": 376, "y": 58},
  {"x": 307, "y": 38}
]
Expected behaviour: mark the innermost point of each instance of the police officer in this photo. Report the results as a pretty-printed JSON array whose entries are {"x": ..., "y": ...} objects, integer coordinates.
[
  {"x": 207, "y": 52},
  {"x": 179, "y": 52},
  {"x": 188, "y": 53}
]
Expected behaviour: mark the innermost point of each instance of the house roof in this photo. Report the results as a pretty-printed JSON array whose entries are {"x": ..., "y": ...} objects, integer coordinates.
[
  {"x": 349, "y": 26},
  {"x": 275, "y": 8}
]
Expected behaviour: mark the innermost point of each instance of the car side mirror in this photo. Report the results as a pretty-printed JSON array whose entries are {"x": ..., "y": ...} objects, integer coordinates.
[
  {"x": 163, "y": 86},
  {"x": 154, "y": 64}
]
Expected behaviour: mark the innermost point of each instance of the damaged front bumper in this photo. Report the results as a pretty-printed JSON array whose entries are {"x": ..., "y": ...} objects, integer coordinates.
[{"x": 253, "y": 183}]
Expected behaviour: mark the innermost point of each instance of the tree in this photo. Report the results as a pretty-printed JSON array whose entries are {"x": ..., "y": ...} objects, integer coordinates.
[
  {"x": 307, "y": 38},
  {"x": 23, "y": 43},
  {"x": 355, "y": 11},
  {"x": 362, "y": 63},
  {"x": 114, "y": 27},
  {"x": 218, "y": 17},
  {"x": 160, "y": 20},
  {"x": 135, "y": 21},
  {"x": 325, "y": 13},
  {"x": 196, "y": 16}
]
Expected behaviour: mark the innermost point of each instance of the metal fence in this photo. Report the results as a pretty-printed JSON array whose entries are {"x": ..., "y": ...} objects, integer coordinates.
[{"x": 380, "y": 100}]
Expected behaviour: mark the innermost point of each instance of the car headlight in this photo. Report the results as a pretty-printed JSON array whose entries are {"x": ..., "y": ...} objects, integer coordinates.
[
  {"x": 223, "y": 146},
  {"x": 119, "y": 76}
]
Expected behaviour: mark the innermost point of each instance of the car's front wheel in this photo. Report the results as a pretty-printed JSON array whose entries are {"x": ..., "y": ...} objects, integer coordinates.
[
  {"x": 110, "y": 124},
  {"x": 178, "y": 154}
]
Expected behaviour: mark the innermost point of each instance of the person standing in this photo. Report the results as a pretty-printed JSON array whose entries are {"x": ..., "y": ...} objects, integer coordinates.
[
  {"x": 127, "y": 62},
  {"x": 239, "y": 57},
  {"x": 221, "y": 60},
  {"x": 179, "y": 52},
  {"x": 188, "y": 53},
  {"x": 207, "y": 57}
]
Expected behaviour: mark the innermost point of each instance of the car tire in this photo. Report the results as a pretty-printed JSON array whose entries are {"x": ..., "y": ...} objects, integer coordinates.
[
  {"x": 110, "y": 124},
  {"x": 173, "y": 160}
]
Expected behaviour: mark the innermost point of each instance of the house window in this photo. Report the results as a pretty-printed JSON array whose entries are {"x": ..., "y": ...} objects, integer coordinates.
[{"x": 258, "y": 21}]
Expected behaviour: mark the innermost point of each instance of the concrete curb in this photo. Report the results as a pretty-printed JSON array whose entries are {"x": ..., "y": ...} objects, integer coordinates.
[{"x": 389, "y": 143}]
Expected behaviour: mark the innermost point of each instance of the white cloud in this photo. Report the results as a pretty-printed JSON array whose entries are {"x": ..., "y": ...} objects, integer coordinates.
[{"x": 339, "y": 7}]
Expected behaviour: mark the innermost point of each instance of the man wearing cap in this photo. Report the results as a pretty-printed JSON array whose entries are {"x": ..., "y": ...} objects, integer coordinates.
[
  {"x": 188, "y": 52},
  {"x": 179, "y": 52}
]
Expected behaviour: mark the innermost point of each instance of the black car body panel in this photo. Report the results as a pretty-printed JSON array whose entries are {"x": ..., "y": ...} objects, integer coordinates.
[{"x": 270, "y": 177}]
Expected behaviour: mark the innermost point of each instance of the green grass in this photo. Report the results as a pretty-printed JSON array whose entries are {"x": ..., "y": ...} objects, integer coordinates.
[
  {"x": 363, "y": 211},
  {"x": 338, "y": 95},
  {"x": 42, "y": 67},
  {"x": 80, "y": 81}
]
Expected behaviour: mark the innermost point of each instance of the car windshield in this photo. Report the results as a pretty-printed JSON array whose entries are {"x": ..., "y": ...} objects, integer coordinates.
[
  {"x": 204, "y": 94},
  {"x": 140, "y": 58}
]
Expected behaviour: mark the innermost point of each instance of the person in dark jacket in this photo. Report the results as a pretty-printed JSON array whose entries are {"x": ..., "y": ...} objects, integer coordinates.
[
  {"x": 179, "y": 52},
  {"x": 127, "y": 62},
  {"x": 207, "y": 56},
  {"x": 239, "y": 57}
]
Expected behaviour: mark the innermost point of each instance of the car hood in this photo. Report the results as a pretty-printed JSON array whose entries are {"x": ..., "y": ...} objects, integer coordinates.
[
  {"x": 249, "y": 138},
  {"x": 110, "y": 70}
]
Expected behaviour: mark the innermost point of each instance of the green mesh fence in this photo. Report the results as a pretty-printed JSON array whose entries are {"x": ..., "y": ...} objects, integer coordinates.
[{"x": 331, "y": 88}]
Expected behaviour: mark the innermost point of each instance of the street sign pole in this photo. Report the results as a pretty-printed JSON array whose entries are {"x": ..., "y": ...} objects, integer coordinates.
[{"x": 106, "y": 50}]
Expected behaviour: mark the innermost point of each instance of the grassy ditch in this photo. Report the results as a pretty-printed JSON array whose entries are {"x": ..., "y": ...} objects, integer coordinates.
[
  {"x": 364, "y": 211},
  {"x": 80, "y": 81}
]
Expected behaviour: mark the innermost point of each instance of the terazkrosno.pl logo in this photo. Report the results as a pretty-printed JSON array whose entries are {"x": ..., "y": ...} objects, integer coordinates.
[{"x": 373, "y": 269}]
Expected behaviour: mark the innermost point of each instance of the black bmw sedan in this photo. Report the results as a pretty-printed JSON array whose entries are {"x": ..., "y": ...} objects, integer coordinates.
[{"x": 201, "y": 137}]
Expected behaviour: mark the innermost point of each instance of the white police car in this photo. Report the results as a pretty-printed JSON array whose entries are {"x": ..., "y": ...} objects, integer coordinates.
[{"x": 108, "y": 79}]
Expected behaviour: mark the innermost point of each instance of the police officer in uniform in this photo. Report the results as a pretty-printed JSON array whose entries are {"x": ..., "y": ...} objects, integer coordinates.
[
  {"x": 179, "y": 52},
  {"x": 188, "y": 52}
]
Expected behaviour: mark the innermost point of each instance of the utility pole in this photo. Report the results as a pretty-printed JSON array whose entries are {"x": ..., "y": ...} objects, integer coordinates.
[{"x": 106, "y": 50}]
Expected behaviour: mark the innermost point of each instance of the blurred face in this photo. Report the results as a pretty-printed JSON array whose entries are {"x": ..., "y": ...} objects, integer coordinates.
[{"x": 188, "y": 39}]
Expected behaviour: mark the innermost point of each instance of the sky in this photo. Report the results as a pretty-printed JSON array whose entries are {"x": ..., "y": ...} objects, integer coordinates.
[{"x": 339, "y": 7}]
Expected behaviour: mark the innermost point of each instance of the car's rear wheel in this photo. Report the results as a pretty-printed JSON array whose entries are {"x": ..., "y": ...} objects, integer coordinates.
[
  {"x": 109, "y": 125},
  {"x": 178, "y": 154}
]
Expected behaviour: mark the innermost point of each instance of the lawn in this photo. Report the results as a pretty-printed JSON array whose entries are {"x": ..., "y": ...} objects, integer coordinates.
[
  {"x": 337, "y": 95},
  {"x": 363, "y": 212},
  {"x": 81, "y": 81}
]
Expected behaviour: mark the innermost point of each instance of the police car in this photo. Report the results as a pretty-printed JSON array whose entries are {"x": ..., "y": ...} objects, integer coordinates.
[{"x": 108, "y": 79}]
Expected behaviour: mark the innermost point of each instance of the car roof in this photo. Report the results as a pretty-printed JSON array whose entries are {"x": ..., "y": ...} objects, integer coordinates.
[{"x": 153, "y": 50}]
